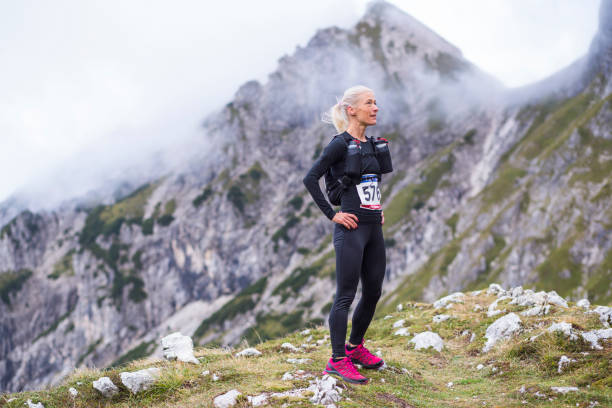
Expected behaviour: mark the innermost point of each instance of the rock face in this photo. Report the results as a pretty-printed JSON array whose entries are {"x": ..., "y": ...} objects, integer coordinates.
[{"x": 487, "y": 184}]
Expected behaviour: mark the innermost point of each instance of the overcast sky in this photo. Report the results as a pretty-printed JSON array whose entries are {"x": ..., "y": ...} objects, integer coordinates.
[{"x": 87, "y": 87}]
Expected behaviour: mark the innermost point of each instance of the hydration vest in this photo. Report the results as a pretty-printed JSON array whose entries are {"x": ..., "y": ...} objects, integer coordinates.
[{"x": 336, "y": 187}]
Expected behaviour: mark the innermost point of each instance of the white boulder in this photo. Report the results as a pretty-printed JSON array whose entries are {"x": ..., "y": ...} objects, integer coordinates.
[
  {"x": 441, "y": 318},
  {"x": 456, "y": 297},
  {"x": 299, "y": 360},
  {"x": 175, "y": 346},
  {"x": 427, "y": 339},
  {"x": 399, "y": 323},
  {"x": 564, "y": 361},
  {"x": 105, "y": 386},
  {"x": 502, "y": 328},
  {"x": 402, "y": 332},
  {"x": 495, "y": 289},
  {"x": 325, "y": 390},
  {"x": 30, "y": 404},
  {"x": 594, "y": 336},
  {"x": 565, "y": 328},
  {"x": 605, "y": 314},
  {"x": 290, "y": 347},
  {"x": 583, "y": 303},
  {"x": 564, "y": 390},
  {"x": 538, "y": 310},
  {"x": 140, "y": 380},
  {"x": 73, "y": 392},
  {"x": 492, "y": 310},
  {"x": 249, "y": 352},
  {"x": 226, "y": 400}
]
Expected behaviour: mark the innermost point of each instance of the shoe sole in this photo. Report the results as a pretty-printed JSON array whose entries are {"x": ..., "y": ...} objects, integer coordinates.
[
  {"x": 377, "y": 365},
  {"x": 336, "y": 373}
]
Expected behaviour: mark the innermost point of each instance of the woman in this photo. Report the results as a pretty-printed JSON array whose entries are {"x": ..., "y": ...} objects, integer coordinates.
[{"x": 358, "y": 238}]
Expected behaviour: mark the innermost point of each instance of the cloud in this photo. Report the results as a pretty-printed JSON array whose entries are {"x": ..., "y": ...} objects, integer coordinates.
[{"x": 89, "y": 88}]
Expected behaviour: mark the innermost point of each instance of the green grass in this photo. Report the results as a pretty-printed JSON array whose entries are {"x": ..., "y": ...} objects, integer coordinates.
[
  {"x": 503, "y": 186},
  {"x": 241, "y": 303},
  {"x": 452, "y": 222},
  {"x": 202, "y": 197},
  {"x": 551, "y": 270},
  {"x": 273, "y": 325},
  {"x": 107, "y": 220},
  {"x": 142, "y": 350},
  {"x": 11, "y": 282},
  {"x": 63, "y": 266},
  {"x": 90, "y": 349},
  {"x": 245, "y": 189}
]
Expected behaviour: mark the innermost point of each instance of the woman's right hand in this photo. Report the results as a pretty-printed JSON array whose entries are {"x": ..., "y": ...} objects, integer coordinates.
[{"x": 346, "y": 219}]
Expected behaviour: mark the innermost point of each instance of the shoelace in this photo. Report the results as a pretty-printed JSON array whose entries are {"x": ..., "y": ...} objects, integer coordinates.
[
  {"x": 346, "y": 366},
  {"x": 361, "y": 351}
]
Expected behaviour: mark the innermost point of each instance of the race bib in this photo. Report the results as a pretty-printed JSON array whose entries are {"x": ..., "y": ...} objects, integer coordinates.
[{"x": 369, "y": 193}]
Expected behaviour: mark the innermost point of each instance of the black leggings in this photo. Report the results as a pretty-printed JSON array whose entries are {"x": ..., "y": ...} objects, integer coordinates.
[{"x": 360, "y": 253}]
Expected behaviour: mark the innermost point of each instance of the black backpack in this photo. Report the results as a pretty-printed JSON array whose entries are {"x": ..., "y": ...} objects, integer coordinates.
[{"x": 336, "y": 187}]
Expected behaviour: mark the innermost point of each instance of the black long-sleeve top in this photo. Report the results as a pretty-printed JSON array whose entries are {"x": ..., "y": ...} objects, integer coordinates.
[{"x": 333, "y": 156}]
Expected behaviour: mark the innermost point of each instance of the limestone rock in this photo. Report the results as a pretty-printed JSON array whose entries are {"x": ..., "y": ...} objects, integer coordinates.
[
  {"x": 565, "y": 328},
  {"x": 441, "y": 318},
  {"x": 538, "y": 310},
  {"x": 427, "y": 339},
  {"x": 290, "y": 347},
  {"x": 402, "y": 332},
  {"x": 456, "y": 297},
  {"x": 502, "y": 328},
  {"x": 249, "y": 352},
  {"x": 594, "y": 336},
  {"x": 564, "y": 361},
  {"x": 496, "y": 289},
  {"x": 299, "y": 360},
  {"x": 140, "y": 380},
  {"x": 564, "y": 390},
  {"x": 105, "y": 386},
  {"x": 73, "y": 392},
  {"x": 584, "y": 303},
  {"x": 605, "y": 314},
  {"x": 226, "y": 400},
  {"x": 30, "y": 404},
  {"x": 325, "y": 390},
  {"x": 399, "y": 323},
  {"x": 178, "y": 347}
]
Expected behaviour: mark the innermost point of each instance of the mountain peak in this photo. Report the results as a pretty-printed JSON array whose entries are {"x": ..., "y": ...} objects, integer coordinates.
[
  {"x": 600, "y": 53},
  {"x": 397, "y": 19}
]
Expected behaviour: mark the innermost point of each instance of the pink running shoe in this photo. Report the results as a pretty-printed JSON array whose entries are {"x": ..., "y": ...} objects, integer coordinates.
[
  {"x": 361, "y": 355},
  {"x": 346, "y": 370}
]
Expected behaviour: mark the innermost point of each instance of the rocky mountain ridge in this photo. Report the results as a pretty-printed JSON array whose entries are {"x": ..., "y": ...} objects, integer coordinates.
[{"x": 488, "y": 186}]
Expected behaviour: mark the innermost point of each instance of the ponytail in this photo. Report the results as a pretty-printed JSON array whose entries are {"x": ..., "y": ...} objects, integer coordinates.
[{"x": 337, "y": 115}]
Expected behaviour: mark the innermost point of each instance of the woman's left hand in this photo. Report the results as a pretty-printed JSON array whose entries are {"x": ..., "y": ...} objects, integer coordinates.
[{"x": 383, "y": 217}]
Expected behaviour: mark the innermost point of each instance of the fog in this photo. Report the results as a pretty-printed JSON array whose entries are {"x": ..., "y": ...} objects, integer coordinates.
[{"x": 96, "y": 93}]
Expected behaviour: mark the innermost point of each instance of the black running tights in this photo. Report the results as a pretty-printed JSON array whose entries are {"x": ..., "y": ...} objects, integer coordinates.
[{"x": 360, "y": 253}]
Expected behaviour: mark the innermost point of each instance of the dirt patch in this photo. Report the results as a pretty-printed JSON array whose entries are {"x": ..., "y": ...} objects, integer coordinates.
[{"x": 395, "y": 400}]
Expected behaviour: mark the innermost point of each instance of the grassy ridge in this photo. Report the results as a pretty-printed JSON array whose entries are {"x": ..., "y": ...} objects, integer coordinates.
[{"x": 413, "y": 378}]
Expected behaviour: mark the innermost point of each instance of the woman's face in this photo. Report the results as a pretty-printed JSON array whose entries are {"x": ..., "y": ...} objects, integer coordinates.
[{"x": 365, "y": 109}]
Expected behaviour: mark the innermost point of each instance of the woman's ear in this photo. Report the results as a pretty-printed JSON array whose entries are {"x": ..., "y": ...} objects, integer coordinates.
[{"x": 350, "y": 111}]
